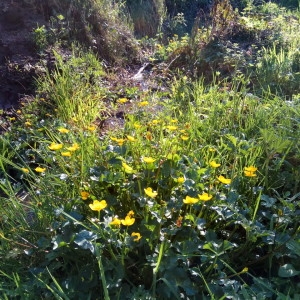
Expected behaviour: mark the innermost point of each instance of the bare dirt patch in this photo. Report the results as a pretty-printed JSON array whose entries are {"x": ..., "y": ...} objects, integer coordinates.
[{"x": 18, "y": 56}]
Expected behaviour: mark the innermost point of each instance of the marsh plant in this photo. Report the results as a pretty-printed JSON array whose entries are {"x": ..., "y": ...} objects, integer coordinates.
[{"x": 196, "y": 197}]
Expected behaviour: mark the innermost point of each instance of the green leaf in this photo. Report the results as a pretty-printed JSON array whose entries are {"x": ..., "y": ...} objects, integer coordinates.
[{"x": 287, "y": 271}]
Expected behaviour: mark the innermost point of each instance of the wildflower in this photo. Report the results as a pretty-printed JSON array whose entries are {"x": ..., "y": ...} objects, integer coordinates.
[
  {"x": 148, "y": 160},
  {"x": 130, "y": 138},
  {"x": 91, "y": 128},
  {"x": 179, "y": 221},
  {"x": 180, "y": 179},
  {"x": 171, "y": 127},
  {"x": 187, "y": 125},
  {"x": 122, "y": 100},
  {"x": 127, "y": 168},
  {"x": 184, "y": 137},
  {"x": 74, "y": 147},
  {"x": 148, "y": 136},
  {"x": 27, "y": 123},
  {"x": 55, "y": 146},
  {"x": 245, "y": 270},
  {"x": 128, "y": 221},
  {"x": 12, "y": 119},
  {"x": 143, "y": 103},
  {"x": 98, "y": 205},
  {"x": 19, "y": 111},
  {"x": 25, "y": 170},
  {"x": 211, "y": 150},
  {"x": 137, "y": 125},
  {"x": 137, "y": 235},
  {"x": 205, "y": 197},
  {"x": 40, "y": 170},
  {"x": 249, "y": 174},
  {"x": 224, "y": 180},
  {"x": 84, "y": 195},
  {"x": 130, "y": 213},
  {"x": 149, "y": 192},
  {"x": 63, "y": 130},
  {"x": 115, "y": 222},
  {"x": 120, "y": 142},
  {"x": 250, "y": 171},
  {"x": 213, "y": 164},
  {"x": 66, "y": 153},
  {"x": 75, "y": 119},
  {"x": 154, "y": 122},
  {"x": 174, "y": 121},
  {"x": 190, "y": 200}
]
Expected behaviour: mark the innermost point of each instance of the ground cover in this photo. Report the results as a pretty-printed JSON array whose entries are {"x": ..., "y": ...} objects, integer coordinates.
[{"x": 194, "y": 196}]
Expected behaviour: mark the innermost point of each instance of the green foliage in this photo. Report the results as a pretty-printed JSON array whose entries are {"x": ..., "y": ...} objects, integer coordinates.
[
  {"x": 147, "y": 174},
  {"x": 195, "y": 198},
  {"x": 74, "y": 88}
]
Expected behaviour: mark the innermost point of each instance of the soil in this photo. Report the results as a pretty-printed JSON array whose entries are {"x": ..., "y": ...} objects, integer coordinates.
[{"x": 18, "y": 56}]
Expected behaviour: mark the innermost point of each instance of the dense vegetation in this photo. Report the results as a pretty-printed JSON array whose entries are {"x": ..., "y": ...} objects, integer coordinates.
[{"x": 194, "y": 191}]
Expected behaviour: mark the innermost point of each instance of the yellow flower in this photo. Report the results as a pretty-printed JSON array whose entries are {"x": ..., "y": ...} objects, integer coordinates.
[
  {"x": 213, "y": 164},
  {"x": 27, "y": 123},
  {"x": 190, "y": 200},
  {"x": 180, "y": 179},
  {"x": 55, "y": 146},
  {"x": 249, "y": 174},
  {"x": 250, "y": 169},
  {"x": 211, "y": 150},
  {"x": 184, "y": 137},
  {"x": 75, "y": 119},
  {"x": 74, "y": 147},
  {"x": 148, "y": 136},
  {"x": 115, "y": 222},
  {"x": 137, "y": 125},
  {"x": 148, "y": 160},
  {"x": 174, "y": 121},
  {"x": 127, "y": 168},
  {"x": 154, "y": 122},
  {"x": 19, "y": 111},
  {"x": 245, "y": 270},
  {"x": 130, "y": 213},
  {"x": 91, "y": 128},
  {"x": 63, "y": 130},
  {"x": 25, "y": 170},
  {"x": 143, "y": 103},
  {"x": 84, "y": 195},
  {"x": 137, "y": 235},
  {"x": 66, "y": 153},
  {"x": 40, "y": 170},
  {"x": 171, "y": 127},
  {"x": 12, "y": 119},
  {"x": 205, "y": 197},
  {"x": 130, "y": 138},
  {"x": 149, "y": 192},
  {"x": 122, "y": 100},
  {"x": 120, "y": 142},
  {"x": 128, "y": 221},
  {"x": 98, "y": 205},
  {"x": 224, "y": 180}
]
